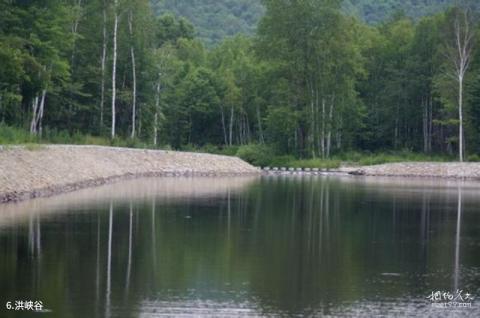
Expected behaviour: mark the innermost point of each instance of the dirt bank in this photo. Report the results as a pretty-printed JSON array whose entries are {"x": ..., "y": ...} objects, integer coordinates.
[{"x": 47, "y": 170}]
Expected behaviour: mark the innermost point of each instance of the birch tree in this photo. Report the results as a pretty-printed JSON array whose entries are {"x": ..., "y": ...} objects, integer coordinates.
[
  {"x": 77, "y": 16},
  {"x": 114, "y": 67},
  {"x": 134, "y": 72},
  {"x": 459, "y": 52},
  {"x": 103, "y": 61}
]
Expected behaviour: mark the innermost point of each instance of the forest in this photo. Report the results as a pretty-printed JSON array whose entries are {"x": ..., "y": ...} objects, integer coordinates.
[
  {"x": 215, "y": 20},
  {"x": 309, "y": 81}
]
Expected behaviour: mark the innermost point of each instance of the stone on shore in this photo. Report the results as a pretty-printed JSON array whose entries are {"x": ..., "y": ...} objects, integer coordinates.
[
  {"x": 456, "y": 170},
  {"x": 46, "y": 170}
]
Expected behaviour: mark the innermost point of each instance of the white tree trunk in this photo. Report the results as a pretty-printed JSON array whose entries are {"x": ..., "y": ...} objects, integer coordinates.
[
  {"x": 260, "y": 128},
  {"x": 460, "y": 57},
  {"x": 114, "y": 68},
  {"x": 231, "y": 126},
  {"x": 75, "y": 24},
  {"x": 40, "y": 112},
  {"x": 425, "y": 124},
  {"x": 224, "y": 128},
  {"x": 38, "y": 105},
  {"x": 104, "y": 58},
  {"x": 396, "y": 132},
  {"x": 330, "y": 126},
  {"x": 322, "y": 142},
  {"x": 157, "y": 110},
  {"x": 33, "y": 123},
  {"x": 460, "y": 118},
  {"x": 430, "y": 124},
  {"x": 312, "y": 122},
  {"x": 134, "y": 75},
  {"x": 155, "y": 129}
]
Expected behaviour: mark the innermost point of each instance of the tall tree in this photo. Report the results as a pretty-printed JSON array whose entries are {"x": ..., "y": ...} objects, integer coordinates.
[
  {"x": 103, "y": 61},
  {"x": 134, "y": 72},
  {"x": 459, "y": 53},
  {"x": 114, "y": 66}
]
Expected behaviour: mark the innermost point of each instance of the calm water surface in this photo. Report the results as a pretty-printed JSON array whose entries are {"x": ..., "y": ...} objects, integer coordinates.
[{"x": 226, "y": 247}]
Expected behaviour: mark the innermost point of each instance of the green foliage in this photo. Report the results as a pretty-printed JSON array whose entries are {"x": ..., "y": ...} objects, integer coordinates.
[
  {"x": 368, "y": 159},
  {"x": 375, "y": 11},
  {"x": 213, "y": 149},
  {"x": 215, "y": 20},
  {"x": 257, "y": 155},
  {"x": 309, "y": 82},
  {"x": 13, "y": 135},
  {"x": 473, "y": 158}
]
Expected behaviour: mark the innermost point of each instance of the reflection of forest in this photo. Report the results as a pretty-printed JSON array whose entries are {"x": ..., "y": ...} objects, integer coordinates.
[
  {"x": 269, "y": 245},
  {"x": 174, "y": 188}
]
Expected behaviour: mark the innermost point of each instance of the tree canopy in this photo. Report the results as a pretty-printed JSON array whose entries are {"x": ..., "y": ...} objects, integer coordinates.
[{"x": 310, "y": 81}]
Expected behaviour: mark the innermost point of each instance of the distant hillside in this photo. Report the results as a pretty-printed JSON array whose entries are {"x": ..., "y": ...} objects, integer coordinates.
[
  {"x": 374, "y": 11},
  {"x": 217, "y": 19}
]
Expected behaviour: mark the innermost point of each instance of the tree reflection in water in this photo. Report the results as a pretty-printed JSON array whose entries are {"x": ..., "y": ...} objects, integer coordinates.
[{"x": 274, "y": 245}]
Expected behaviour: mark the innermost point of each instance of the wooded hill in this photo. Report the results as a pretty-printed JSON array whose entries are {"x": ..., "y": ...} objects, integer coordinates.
[
  {"x": 374, "y": 11},
  {"x": 216, "y": 19}
]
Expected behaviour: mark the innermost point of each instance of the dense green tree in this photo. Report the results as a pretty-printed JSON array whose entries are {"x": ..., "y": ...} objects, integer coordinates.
[
  {"x": 311, "y": 81},
  {"x": 214, "y": 20},
  {"x": 314, "y": 47}
]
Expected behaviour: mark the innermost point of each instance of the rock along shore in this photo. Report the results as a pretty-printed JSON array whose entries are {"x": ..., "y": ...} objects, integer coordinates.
[
  {"x": 52, "y": 169},
  {"x": 445, "y": 170}
]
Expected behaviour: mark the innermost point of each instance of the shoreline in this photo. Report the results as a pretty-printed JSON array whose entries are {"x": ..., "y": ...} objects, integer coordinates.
[
  {"x": 54, "y": 169},
  {"x": 407, "y": 170}
]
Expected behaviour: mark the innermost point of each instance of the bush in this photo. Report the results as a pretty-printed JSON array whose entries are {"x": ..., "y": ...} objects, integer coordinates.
[
  {"x": 368, "y": 159},
  {"x": 12, "y": 135},
  {"x": 255, "y": 154},
  {"x": 281, "y": 161},
  {"x": 473, "y": 158}
]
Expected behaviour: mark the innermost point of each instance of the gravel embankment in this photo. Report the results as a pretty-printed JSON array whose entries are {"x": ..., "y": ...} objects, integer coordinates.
[
  {"x": 53, "y": 169},
  {"x": 451, "y": 170}
]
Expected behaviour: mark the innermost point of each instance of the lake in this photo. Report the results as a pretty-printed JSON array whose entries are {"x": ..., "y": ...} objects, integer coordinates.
[{"x": 246, "y": 246}]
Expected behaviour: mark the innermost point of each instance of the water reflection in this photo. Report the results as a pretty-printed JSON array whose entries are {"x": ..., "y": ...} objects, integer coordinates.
[
  {"x": 109, "y": 261},
  {"x": 129, "y": 265},
  {"x": 457, "y": 240},
  {"x": 97, "y": 271},
  {"x": 34, "y": 236},
  {"x": 247, "y": 247},
  {"x": 154, "y": 240}
]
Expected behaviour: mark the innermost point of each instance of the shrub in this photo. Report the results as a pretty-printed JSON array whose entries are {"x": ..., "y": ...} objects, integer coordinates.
[
  {"x": 255, "y": 154},
  {"x": 13, "y": 135},
  {"x": 474, "y": 158},
  {"x": 281, "y": 161}
]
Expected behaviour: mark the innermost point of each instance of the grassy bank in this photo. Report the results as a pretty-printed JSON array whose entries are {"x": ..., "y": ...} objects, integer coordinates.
[
  {"x": 258, "y": 155},
  {"x": 17, "y": 136},
  {"x": 264, "y": 156}
]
